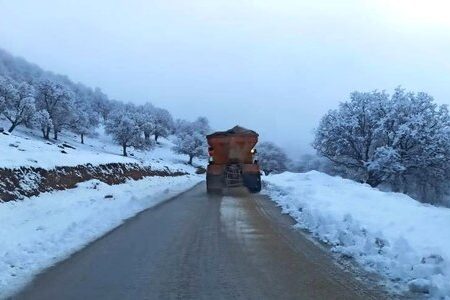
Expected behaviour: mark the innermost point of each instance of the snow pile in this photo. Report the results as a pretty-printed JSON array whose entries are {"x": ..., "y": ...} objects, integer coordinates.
[
  {"x": 40, "y": 231},
  {"x": 390, "y": 233}
]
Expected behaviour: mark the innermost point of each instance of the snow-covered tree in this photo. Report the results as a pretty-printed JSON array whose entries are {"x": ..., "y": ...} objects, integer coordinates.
[
  {"x": 101, "y": 104},
  {"x": 19, "y": 108},
  {"x": 145, "y": 117},
  {"x": 191, "y": 138},
  {"x": 2, "y": 104},
  {"x": 163, "y": 123},
  {"x": 43, "y": 121},
  {"x": 124, "y": 129},
  {"x": 7, "y": 91},
  {"x": 418, "y": 131},
  {"x": 84, "y": 119},
  {"x": 83, "y": 123},
  {"x": 347, "y": 136},
  {"x": 376, "y": 138},
  {"x": 386, "y": 161},
  {"x": 57, "y": 100},
  {"x": 271, "y": 158}
]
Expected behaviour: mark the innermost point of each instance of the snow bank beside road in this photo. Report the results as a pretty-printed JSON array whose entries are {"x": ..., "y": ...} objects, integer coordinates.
[
  {"x": 40, "y": 231},
  {"x": 390, "y": 233}
]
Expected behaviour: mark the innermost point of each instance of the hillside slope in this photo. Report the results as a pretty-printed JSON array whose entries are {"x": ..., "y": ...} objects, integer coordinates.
[{"x": 25, "y": 147}]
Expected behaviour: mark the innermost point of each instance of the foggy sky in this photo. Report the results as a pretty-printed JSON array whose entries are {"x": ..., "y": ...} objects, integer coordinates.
[{"x": 271, "y": 65}]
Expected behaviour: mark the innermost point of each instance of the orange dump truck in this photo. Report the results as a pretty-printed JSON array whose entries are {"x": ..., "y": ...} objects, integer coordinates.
[{"x": 231, "y": 160}]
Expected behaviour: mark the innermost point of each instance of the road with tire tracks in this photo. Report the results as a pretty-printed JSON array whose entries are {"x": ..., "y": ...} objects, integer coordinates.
[{"x": 197, "y": 246}]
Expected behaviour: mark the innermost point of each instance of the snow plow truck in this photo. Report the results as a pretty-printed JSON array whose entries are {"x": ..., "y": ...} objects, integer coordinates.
[{"x": 232, "y": 161}]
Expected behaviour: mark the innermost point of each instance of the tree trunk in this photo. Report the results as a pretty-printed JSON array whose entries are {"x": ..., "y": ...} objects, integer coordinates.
[
  {"x": 373, "y": 180},
  {"x": 82, "y": 138},
  {"x": 124, "y": 147},
  {"x": 46, "y": 133},
  {"x": 156, "y": 137},
  {"x": 13, "y": 126},
  {"x": 191, "y": 157},
  {"x": 405, "y": 185},
  {"x": 397, "y": 184},
  {"x": 146, "y": 136},
  {"x": 55, "y": 134}
]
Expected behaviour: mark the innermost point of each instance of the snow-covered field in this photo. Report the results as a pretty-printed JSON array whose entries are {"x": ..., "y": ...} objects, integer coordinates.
[
  {"x": 26, "y": 148},
  {"x": 40, "y": 231},
  {"x": 406, "y": 241},
  {"x": 17, "y": 151}
]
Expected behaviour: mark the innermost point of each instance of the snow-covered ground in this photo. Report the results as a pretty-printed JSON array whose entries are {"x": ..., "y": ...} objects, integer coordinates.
[
  {"x": 17, "y": 151},
  {"x": 404, "y": 240},
  {"x": 25, "y": 147},
  {"x": 40, "y": 231}
]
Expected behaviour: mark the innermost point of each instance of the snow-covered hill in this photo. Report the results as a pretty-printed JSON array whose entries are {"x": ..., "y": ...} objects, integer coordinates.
[
  {"x": 23, "y": 151},
  {"x": 25, "y": 148},
  {"x": 406, "y": 241}
]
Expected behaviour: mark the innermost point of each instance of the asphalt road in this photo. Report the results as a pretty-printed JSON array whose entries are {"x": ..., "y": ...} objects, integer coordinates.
[{"x": 197, "y": 246}]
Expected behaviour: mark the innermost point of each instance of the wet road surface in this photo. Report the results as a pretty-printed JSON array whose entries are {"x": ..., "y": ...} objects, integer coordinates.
[{"x": 197, "y": 246}]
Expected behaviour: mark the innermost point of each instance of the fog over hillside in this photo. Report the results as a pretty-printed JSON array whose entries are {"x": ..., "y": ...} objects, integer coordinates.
[{"x": 275, "y": 66}]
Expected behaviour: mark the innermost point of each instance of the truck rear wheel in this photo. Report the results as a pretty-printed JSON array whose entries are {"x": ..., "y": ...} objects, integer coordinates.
[
  {"x": 214, "y": 184},
  {"x": 252, "y": 182}
]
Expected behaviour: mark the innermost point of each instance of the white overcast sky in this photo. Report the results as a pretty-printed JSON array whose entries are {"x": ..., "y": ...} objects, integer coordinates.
[{"x": 275, "y": 66}]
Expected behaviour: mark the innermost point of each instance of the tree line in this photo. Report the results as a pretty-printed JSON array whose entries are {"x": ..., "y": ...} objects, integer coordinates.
[{"x": 32, "y": 97}]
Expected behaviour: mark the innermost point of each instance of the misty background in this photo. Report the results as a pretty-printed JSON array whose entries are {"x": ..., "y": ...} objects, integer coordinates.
[{"x": 273, "y": 66}]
